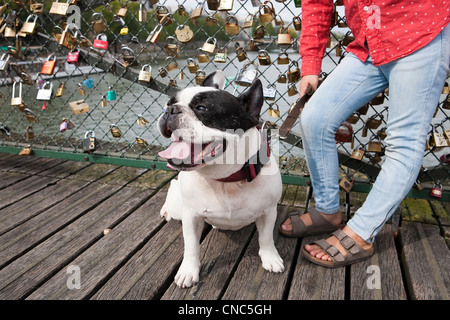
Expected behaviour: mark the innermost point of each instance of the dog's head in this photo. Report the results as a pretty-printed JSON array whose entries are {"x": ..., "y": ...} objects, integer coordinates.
[{"x": 207, "y": 124}]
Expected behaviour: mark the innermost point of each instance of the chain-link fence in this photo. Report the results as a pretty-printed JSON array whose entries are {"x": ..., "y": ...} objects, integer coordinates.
[{"x": 71, "y": 69}]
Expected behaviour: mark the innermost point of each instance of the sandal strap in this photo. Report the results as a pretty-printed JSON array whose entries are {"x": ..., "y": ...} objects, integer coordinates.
[
  {"x": 318, "y": 222},
  {"x": 348, "y": 243},
  {"x": 330, "y": 250}
]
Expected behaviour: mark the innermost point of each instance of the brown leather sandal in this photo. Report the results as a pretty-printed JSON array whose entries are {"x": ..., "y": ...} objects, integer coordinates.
[
  {"x": 319, "y": 225},
  {"x": 354, "y": 252}
]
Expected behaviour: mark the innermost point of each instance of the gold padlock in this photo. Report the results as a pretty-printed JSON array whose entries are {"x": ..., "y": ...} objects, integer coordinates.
[
  {"x": 259, "y": 32},
  {"x": 292, "y": 89},
  {"x": 60, "y": 8},
  {"x": 267, "y": 14},
  {"x": 225, "y": 5},
  {"x": 171, "y": 47},
  {"x": 60, "y": 90},
  {"x": 202, "y": 57},
  {"x": 283, "y": 58},
  {"x": 293, "y": 72},
  {"x": 297, "y": 23},
  {"x": 142, "y": 15},
  {"x": 142, "y": 121},
  {"x": 221, "y": 55},
  {"x": 29, "y": 25},
  {"x": 282, "y": 78},
  {"x": 275, "y": 113},
  {"x": 146, "y": 73},
  {"x": 284, "y": 39},
  {"x": 240, "y": 53},
  {"x": 264, "y": 58},
  {"x": 346, "y": 183},
  {"x": 122, "y": 11},
  {"x": 248, "y": 22},
  {"x": 115, "y": 131},
  {"x": 358, "y": 153},
  {"x": 200, "y": 77},
  {"x": 374, "y": 123},
  {"x": 184, "y": 34},
  {"x": 231, "y": 26},
  {"x": 30, "y": 133},
  {"x": 209, "y": 45},
  {"x": 171, "y": 64},
  {"x": 162, "y": 72},
  {"x": 98, "y": 22},
  {"x": 192, "y": 65},
  {"x": 374, "y": 144}
]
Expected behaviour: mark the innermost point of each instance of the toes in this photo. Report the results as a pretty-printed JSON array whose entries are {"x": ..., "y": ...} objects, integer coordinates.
[{"x": 287, "y": 225}]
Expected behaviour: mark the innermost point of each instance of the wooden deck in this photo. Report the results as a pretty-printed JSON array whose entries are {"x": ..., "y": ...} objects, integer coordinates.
[{"x": 62, "y": 219}]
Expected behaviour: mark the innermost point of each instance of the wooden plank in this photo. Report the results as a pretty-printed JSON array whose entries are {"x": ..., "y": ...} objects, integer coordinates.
[
  {"x": 312, "y": 282},
  {"x": 251, "y": 281},
  {"x": 26, "y": 273},
  {"x": 9, "y": 178},
  {"x": 38, "y": 164},
  {"x": 378, "y": 278},
  {"x": 220, "y": 253},
  {"x": 417, "y": 210},
  {"x": 23, "y": 189},
  {"x": 64, "y": 169},
  {"x": 104, "y": 257},
  {"x": 426, "y": 262},
  {"x": 23, "y": 210},
  {"x": 150, "y": 270}
]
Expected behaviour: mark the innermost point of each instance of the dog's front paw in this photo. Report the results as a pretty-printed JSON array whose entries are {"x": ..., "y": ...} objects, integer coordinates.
[
  {"x": 187, "y": 275},
  {"x": 271, "y": 261},
  {"x": 164, "y": 213}
]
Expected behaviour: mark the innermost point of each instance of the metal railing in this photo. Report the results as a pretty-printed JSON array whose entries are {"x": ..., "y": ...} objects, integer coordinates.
[{"x": 96, "y": 57}]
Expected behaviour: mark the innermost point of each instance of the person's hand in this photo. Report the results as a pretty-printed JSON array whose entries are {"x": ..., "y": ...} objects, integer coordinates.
[{"x": 308, "y": 84}]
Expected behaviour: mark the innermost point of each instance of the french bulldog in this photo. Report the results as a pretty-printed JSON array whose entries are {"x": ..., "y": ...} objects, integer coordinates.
[{"x": 227, "y": 177}]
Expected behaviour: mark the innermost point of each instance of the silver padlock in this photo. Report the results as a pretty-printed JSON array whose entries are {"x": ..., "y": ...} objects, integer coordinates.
[
  {"x": 45, "y": 93},
  {"x": 4, "y": 61},
  {"x": 270, "y": 92},
  {"x": 247, "y": 75}
]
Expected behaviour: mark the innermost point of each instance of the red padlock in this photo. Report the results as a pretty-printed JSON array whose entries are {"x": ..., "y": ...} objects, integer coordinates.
[
  {"x": 344, "y": 133},
  {"x": 73, "y": 56},
  {"x": 436, "y": 191},
  {"x": 101, "y": 42},
  {"x": 49, "y": 65}
]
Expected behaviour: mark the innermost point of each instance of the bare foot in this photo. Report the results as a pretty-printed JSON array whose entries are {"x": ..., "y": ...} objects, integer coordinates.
[
  {"x": 335, "y": 219},
  {"x": 319, "y": 253}
]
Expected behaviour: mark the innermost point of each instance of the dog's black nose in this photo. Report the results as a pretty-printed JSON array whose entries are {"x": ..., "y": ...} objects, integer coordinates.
[{"x": 173, "y": 109}]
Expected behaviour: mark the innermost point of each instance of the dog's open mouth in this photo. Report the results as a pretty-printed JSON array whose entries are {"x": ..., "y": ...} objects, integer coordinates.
[{"x": 185, "y": 155}]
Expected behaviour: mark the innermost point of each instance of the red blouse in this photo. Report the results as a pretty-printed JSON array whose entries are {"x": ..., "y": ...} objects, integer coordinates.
[{"x": 392, "y": 28}]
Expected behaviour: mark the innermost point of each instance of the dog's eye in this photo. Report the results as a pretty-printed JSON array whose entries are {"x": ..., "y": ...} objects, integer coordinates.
[{"x": 201, "y": 108}]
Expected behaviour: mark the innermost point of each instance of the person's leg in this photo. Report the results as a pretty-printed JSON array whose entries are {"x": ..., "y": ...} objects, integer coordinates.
[
  {"x": 351, "y": 85},
  {"x": 415, "y": 85}
]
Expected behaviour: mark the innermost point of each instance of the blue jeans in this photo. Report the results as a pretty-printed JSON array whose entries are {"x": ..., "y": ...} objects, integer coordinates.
[{"x": 415, "y": 84}]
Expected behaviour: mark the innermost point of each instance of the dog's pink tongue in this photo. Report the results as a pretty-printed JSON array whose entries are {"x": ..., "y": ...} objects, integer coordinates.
[{"x": 177, "y": 150}]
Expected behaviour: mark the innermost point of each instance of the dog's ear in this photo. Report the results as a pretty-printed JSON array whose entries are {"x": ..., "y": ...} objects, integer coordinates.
[
  {"x": 215, "y": 80},
  {"x": 253, "y": 100}
]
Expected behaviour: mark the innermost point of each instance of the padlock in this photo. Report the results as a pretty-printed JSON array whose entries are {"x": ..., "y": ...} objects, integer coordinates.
[
  {"x": 363, "y": 110},
  {"x": 282, "y": 78},
  {"x": 344, "y": 133},
  {"x": 275, "y": 113},
  {"x": 124, "y": 31},
  {"x": 209, "y": 45},
  {"x": 66, "y": 124},
  {"x": 78, "y": 106},
  {"x": 162, "y": 72},
  {"x": 379, "y": 99},
  {"x": 90, "y": 142},
  {"x": 98, "y": 22},
  {"x": 146, "y": 73},
  {"x": 16, "y": 99},
  {"x": 225, "y": 5},
  {"x": 128, "y": 55},
  {"x": 45, "y": 93},
  {"x": 438, "y": 139},
  {"x": 346, "y": 183},
  {"x": 111, "y": 94},
  {"x": 418, "y": 185},
  {"x": 115, "y": 131},
  {"x": 60, "y": 90},
  {"x": 171, "y": 47},
  {"x": 30, "y": 116},
  {"x": 240, "y": 53},
  {"x": 212, "y": 4},
  {"x": 283, "y": 58},
  {"x": 382, "y": 133},
  {"x": 172, "y": 82},
  {"x": 231, "y": 26},
  {"x": 154, "y": 34},
  {"x": 171, "y": 64},
  {"x": 101, "y": 42},
  {"x": 184, "y": 34},
  {"x": 358, "y": 153},
  {"x": 29, "y": 25},
  {"x": 30, "y": 133},
  {"x": 73, "y": 56},
  {"x": 10, "y": 32},
  {"x": 60, "y": 8},
  {"x": 264, "y": 58},
  {"x": 192, "y": 65},
  {"x": 4, "y": 61},
  {"x": 221, "y": 55},
  {"x": 49, "y": 65},
  {"x": 267, "y": 14},
  {"x": 248, "y": 22},
  {"x": 374, "y": 123},
  {"x": 446, "y": 104},
  {"x": 284, "y": 39},
  {"x": 200, "y": 76},
  {"x": 195, "y": 14},
  {"x": 297, "y": 23},
  {"x": 142, "y": 121},
  {"x": 247, "y": 75},
  {"x": 26, "y": 151},
  {"x": 211, "y": 21},
  {"x": 270, "y": 92},
  {"x": 259, "y": 32},
  {"x": 182, "y": 10},
  {"x": 292, "y": 89},
  {"x": 88, "y": 83},
  {"x": 122, "y": 12},
  {"x": 202, "y": 57},
  {"x": 374, "y": 144},
  {"x": 142, "y": 15},
  {"x": 37, "y": 8},
  {"x": 436, "y": 190},
  {"x": 353, "y": 118},
  {"x": 161, "y": 13},
  {"x": 141, "y": 142},
  {"x": 293, "y": 73},
  {"x": 80, "y": 89},
  {"x": 104, "y": 102}
]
